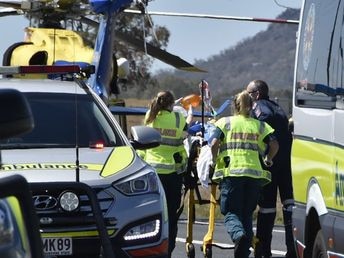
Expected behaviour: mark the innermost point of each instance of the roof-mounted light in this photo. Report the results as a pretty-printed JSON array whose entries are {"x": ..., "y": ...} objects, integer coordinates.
[
  {"x": 41, "y": 69},
  {"x": 97, "y": 145}
]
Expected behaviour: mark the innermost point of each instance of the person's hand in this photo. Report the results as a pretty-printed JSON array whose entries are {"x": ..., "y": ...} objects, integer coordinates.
[
  {"x": 267, "y": 161},
  {"x": 190, "y": 110},
  {"x": 177, "y": 101}
]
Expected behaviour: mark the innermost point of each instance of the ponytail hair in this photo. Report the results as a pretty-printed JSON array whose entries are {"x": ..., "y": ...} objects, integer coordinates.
[
  {"x": 242, "y": 104},
  {"x": 164, "y": 100}
]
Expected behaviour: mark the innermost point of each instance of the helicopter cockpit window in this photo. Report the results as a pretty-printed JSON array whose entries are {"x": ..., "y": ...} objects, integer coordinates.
[{"x": 39, "y": 58}]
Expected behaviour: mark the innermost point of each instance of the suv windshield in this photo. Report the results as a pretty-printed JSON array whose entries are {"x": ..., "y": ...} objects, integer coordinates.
[{"x": 65, "y": 120}]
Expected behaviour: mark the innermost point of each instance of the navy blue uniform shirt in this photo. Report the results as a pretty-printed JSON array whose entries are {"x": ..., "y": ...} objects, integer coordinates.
[{"x": 270, "y": 112}]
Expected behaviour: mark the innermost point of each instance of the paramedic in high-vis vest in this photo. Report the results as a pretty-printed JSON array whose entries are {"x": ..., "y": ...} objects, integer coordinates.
[
  {"x": 238, "y": 142},
  {"x": 170, "y": 158}
]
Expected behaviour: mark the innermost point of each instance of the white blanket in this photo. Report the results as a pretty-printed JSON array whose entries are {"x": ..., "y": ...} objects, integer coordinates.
[{"x": 205, "y": 160}]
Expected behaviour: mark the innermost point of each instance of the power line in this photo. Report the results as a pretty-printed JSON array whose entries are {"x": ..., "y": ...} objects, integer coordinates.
[{"x": 216, "y": 17}]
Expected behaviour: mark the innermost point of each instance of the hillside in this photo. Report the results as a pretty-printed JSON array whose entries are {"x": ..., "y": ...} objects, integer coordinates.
[{"x": 269, "y": 55}]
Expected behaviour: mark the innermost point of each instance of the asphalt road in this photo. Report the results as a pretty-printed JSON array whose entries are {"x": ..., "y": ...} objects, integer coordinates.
[{"x": 221, "y": 238}]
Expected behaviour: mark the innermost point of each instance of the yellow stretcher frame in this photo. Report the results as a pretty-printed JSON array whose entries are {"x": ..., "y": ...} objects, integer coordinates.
[{"x": 192, "y": 201}]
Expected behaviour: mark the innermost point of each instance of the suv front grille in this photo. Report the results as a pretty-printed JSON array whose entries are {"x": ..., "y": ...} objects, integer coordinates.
[{"x": 53, "y": 218}]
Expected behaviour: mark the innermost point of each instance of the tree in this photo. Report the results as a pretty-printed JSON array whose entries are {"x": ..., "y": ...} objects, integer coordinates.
[
  {"x": 140, "y": 27},
  {"x": 133, "y": 25}
]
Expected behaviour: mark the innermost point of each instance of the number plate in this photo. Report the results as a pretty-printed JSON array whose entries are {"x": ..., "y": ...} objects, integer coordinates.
[{"x": 57, "y": 246}]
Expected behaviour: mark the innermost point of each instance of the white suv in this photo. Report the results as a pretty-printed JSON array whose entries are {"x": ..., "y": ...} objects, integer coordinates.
[{"x": 76, "y": 139}]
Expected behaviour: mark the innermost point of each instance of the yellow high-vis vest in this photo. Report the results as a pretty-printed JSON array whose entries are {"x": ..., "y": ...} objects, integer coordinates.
[
  {"x": 241, "y": 147},
  {"x": 171, "y": 155}
]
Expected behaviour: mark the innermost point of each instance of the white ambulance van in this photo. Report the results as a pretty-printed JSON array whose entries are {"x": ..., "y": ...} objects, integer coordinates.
[{"x": 318, "y": 115}]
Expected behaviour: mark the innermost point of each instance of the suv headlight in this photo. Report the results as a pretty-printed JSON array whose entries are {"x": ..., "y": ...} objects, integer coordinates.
[
  {"x": 144, "y": 231},
  {"x": 139, "y": 184}
]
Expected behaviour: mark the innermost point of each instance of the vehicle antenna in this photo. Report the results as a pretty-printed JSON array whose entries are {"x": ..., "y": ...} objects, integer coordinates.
[{"x": 77, "y": 162}]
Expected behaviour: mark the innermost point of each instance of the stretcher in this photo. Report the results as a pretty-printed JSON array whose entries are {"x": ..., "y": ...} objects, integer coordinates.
[
  {"x": 191, "y": 180},
  {"x": 192, "y": 184}
]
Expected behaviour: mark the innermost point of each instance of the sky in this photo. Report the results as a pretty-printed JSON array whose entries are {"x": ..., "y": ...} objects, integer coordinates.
[
  {"x": 196, "y": 38},
  {"x": 191, "y": 38}
]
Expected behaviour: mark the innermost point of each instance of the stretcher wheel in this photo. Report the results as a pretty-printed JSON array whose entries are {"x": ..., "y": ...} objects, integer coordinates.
[
  {"x": 208, "y": 252},
  {"x": 190, "y": 250}
]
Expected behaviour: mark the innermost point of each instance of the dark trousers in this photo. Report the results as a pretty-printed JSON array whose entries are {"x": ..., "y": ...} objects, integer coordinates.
[
  {"x": 238, "y": 199},
  {"x": 172, "y": 184},
  {"x": 281, "y": 182}
]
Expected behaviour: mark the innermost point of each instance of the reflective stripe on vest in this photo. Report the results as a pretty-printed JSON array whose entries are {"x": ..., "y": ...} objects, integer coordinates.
[
  {"x": 248, "y": 136},
  {"x": 239, "y": 145},
  {"x": 171, "y": 142},
  {"x": 177, "y": 119},
  {"x": 252, "y": 172},
  {"x": 174, "y": 167},
  {"x": 228, "y": 125},
  {"x": 163, "y": 166}
]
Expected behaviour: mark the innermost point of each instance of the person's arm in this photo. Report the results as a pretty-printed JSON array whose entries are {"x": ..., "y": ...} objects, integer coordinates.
[
  {"x": 272, "y": 151},
  {"x": 216, "y": 137},
  {"x": 189, "y": 117},
  {"x": 215, "y": 143}
]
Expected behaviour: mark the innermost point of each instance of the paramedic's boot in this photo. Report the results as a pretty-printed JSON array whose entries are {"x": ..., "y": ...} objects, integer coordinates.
[
  {"x": 258, "y": 251},
  {"x": 256, "y": 245},
  {"x": 289, "y": 240},
  {"x": 265, "y": 224},
  {"x": 241, "y": 247}
]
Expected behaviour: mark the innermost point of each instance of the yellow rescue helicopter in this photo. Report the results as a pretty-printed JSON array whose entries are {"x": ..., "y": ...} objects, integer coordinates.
[{"x": 49, "y": 42}]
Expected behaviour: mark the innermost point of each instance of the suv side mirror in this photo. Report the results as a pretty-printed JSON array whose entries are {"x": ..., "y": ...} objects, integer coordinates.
[
  {"x": 15, "y": 114},
  {"x": 15, "y": 119},
  {"x": 144, "y": 137}
]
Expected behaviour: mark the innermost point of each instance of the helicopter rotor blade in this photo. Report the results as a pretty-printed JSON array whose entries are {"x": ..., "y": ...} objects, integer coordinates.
[
  {"x": 153, "y": 51},
  {"x": 49, "y": 9},
  {"x": 139, "y": 44},
  {"x": 89, "y": 21},
  {"x": 158, "y": 53},
  {"x": 216, "y": 17},
  {"x": 12, "y": 4},
  {"x": 9, "y": 12}
]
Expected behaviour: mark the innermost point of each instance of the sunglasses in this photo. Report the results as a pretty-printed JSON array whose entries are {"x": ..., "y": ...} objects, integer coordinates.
[{"x": 251, "y": 92}]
